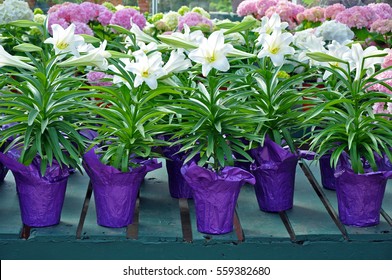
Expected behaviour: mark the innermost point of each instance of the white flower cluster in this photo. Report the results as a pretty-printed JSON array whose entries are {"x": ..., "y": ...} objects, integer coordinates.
[
  {"x": 12, "y": 10},
  {"x": 334, "y": 31}
]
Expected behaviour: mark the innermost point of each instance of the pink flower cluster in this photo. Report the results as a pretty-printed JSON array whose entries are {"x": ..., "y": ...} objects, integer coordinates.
[
  {"x": 382, "y": 10},
  {"x": 382, "y": 108},
  {"x": 387, "y": 78},
  {"x": 95, "y": 78},
  {"x": 382, "y": 26},
  {"x": 287, "y": 11},
  {"x": 333, "y": 10},
  {"x": 127, "y": 17},
  {"x": 248, "y": 8},
  {"x": 260, "y": 8},
  {"x": 314, "y": 14},
  {"x": 387, "y": 60},
  {"x": 79, "y": 14},
  {"x": 194, "y": 19}
]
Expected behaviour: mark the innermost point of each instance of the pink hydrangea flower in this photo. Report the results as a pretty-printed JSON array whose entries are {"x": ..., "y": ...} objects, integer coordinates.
[
  {"x": 194, "y": 19},
  {"x": 95, "y": 78},
  {"x": 382, "y": 26},
  {"x": 83, "y": 28},
  {"x": 314, "y": 14},
  {"x": 263, "y": 5},
  {"x": 125, "y": 16},
  {"x": 387, "y": 60},
  {"x": 387, "y": 78},
  {"x": 331, "y": 11},
  {"x": 247, "y": 7},
  {"x": 287, "y": 11},
  {"x": 382, "y": 108},
  {"x": 357, "y": 16},
  {"x": 382, "y": 10},
  {"x": 80, "y": 14}
]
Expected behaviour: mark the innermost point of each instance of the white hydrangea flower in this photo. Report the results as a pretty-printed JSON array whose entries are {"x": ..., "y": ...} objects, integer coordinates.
[
  {"x": 12, "y": 10},
  {"x": 335, "y": 31}
]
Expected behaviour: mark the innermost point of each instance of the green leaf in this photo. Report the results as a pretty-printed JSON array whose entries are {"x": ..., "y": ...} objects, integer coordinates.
[
  {"x": 26, "y": 47},
  {"x": 24, "y": 23},
  {"x": 244, "y": 25},
  {"x": 322, "y": 57},
  {"x": 44, "y": 124},
  {"x": 90, "y": 39},
  {"x": 115, "y": 54},
  {"x": 177, "y": 42},
  {"x": 32, "y": 115}
]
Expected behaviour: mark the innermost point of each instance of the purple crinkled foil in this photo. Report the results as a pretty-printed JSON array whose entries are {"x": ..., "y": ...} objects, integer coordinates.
[
  {"x": 215, "y": 195},
  {"x": 115, "y": 192},
  {"x": 40, "y": 198}
]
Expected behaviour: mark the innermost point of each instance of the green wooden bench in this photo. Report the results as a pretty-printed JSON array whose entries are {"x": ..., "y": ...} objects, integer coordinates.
[{"x": 165, "y": 228}]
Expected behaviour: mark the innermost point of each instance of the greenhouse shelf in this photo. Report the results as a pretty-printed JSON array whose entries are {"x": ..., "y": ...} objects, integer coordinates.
[{"x": 165, "y": 228}]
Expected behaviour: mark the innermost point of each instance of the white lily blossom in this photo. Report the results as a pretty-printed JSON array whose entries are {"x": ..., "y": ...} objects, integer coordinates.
[
  {"x": 212, "y": 53},
  {"x": 276, "y": 46},
  {"x": 8, "y": 60},
  {"x": 177, "y": 62},
  {"x": 96, "y": 57},
  {"x": 147, "y": 69},
  {"x": 117, "y": 76},
  {"x": 339, "y": 51},
  {"x": 65, "y": 40},
  {"x": 145, "y": 49},
  {"x": 361, "y": 59},
  {"x": 269, "y": 24},
  {"x": 142, "y": 36},
  {"x": 308, "y": 44}
]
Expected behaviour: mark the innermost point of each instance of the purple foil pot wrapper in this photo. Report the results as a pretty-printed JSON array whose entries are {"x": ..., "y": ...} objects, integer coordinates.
[
  {"x": 40, "y": 198},
  {"x": 359, "y": 196},
  {"x": 274, "y": 169},
  {"x": 215, "y": 195},
  {"x": 115, "y": 192},
  {"x": 327, "y": 173},
  {"x": 178, "y": 187}
]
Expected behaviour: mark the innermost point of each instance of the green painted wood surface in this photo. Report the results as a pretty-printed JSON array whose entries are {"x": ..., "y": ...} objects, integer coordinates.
[
  {"x": 10, "y": 221},
  {"x": 383, "y": 231},
  {"x": 308, "y": 216},
  {"x": 160, "y": 234}
]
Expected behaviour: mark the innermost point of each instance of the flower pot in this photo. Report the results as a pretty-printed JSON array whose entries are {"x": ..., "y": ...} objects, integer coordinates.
[
  {"x": 40, "y": 198},
  {"x": 115, "y": 192},
  {"x": 178, "y": 187},
  {"x": 274, "y": 169},
  {"x": 359, "y": 196},
  {"x": 215, "y": 195},
  {"x": 327, "y": 173}
]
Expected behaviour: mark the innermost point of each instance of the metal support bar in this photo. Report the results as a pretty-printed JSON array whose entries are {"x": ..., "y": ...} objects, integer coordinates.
[
  {"x": 133, "y": 229},
  {"x": 238, "y": 228},
  {"x": 288, "y": 225}
]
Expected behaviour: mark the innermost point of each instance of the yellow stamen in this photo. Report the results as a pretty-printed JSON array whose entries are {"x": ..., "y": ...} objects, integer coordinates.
[
  {"x": 211, "y": 58},
  {"x": 275, "y": 50},
  {"x": 62, "y": 45},
  {"x": 145, "y": 74}
]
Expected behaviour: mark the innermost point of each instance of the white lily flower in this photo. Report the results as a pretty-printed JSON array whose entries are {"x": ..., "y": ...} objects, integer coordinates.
[
  {"x": 177, "y": 62},
  {"x": 65, "y": 40},
  {"x": 268, "y": 25},
  {"x": 276, "y": 46},
  {"x": 8, "y": 60},
  {"x": 145, "y": 49},
  {"x": 117, "y": 77},
  {"x": 96, "y": 57},
  {"x": 339, "y": 51},
  {"x": 212, "y": 53},
  {"x": 361, "y": 59},
  {"x": 142, "y": 36},
  {"x": 147, "y": 69}
]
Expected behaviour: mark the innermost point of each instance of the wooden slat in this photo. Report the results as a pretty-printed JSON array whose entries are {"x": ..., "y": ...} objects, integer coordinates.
[
  {"x": 238, "y": 228},
  {"x": 288, "y": 226},
  {"x": 25, "y": 232},
  {"x": 133, "y": 229},
  {"x": 83, "y": 214},
  {"x": 386, "y": 216},
  {"x": 323, "y": 198},
  {"x": 185, "y": 220}
]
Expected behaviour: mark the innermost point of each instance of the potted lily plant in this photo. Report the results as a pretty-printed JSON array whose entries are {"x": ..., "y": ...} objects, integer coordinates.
[
  {"x": 129, "y": 120},
  {"x": 345, "y": 126},
  {"x": 275, "y": 109},
  {"x": 213, "y": 121},
  {"x": 40, "y": 113}
]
